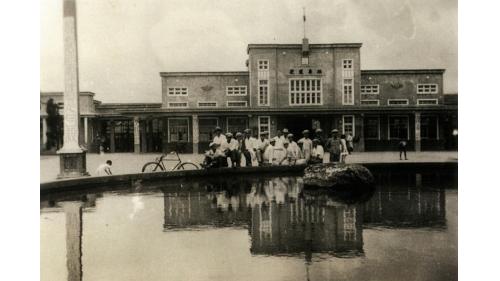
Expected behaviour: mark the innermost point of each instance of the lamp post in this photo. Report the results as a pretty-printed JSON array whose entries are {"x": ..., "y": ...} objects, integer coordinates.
[{"x": 72, "y": 155}]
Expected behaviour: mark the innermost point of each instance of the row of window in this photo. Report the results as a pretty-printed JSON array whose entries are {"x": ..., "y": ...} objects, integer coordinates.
[
  {"x": 421, "y": 89},
  {"x": 399, "y": 127},
  {"x": 207, "y": 104},
  {"x": 230, "y": 91},
  {"x": 375, "y": 102}
]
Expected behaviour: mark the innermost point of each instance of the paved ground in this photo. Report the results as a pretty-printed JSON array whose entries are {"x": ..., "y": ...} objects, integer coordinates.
[{"x": 125, "y": 163}]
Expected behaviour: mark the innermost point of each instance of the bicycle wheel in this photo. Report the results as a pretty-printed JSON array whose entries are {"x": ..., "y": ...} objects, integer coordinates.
[
  {"x": 152, "y": 167},
  {"x": 188, "y": 166}
]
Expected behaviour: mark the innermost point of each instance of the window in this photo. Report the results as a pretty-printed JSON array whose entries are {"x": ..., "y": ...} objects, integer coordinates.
[
  {"x": 370, "y": 102},
  {"x": 348, "y": 124},
  {"x": 427, "y": 101},
  {"x": 263, "y": 64},
  {"x": 264, "y": 124},
  {"x": 236, "y": 90},
  {"x": 237, "y": 124},
  {"x": 305, "y": 60},
  {"x": 207, "y": 104},
  {"x": 370, "y": 89},
  {"x": 372, "y": 127},
  {"x": 237, "y": 103},
  {"x": 263, "y": 92},
  {"x": 305, "y": 91},
  {"x": 347, "y": 92},
  {"x": 347, "y": 68},
  {"x": 178, "y": 104},
  {"x": 206, "y": 128},
  {"x": 397, "y": 102},
  {"x": 398, "y": 127},
  {"x": 347, "y": 64},
  {"x": 427, "y": 88},
  {"x": 429, "y": 127},
  {"x": 350, "y": 224},
  {"x": 178, "y": 129},
  {"x": 180, "y": 91}
]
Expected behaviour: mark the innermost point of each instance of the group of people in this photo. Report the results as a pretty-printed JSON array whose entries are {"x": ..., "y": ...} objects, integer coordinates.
[{"x": 242, "y": 149}]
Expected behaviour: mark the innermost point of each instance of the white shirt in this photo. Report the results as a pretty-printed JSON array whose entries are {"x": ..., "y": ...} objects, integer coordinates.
[
  {"x": 261, "y": 144},
  {"x": 103, "y": 170},
  {"x": 220, "y": 140},
  {"x": 249, "y": 143},
  {"x": 269, "y": 154},
  {"x": 307, "y": 144},
  {"x": 318, "y": 151},
  {"x": 232, "y": 145},
  {"x": 279, "y": 142}
]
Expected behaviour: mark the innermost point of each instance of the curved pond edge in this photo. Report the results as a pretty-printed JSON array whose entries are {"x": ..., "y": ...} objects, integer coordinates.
[{"x": 92, "y": 182}]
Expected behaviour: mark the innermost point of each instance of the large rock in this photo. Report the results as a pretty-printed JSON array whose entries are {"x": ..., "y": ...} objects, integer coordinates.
[{"x": 333, "y": 175}]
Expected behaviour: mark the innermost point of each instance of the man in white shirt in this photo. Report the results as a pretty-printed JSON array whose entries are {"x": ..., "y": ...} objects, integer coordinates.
[
  {"x": 306, "y": 145},
  {"x": 293, "y": 145},
  {"x": 268, "y": 156},
  {"x": 219, "y": 138},
  {"x": 317, "y": 152},
  {"x": 214, "y": 157},
  {"x": 260, "y": 146},
  {"x": 230, "y": 148},
  {"x": 248, "y": 148},
  {"x": 104, "y": 169}
]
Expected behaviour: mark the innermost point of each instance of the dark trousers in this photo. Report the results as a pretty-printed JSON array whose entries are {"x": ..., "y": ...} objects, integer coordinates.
[
  {"x": 334, "y": 157},
  {"x": 315, "y": 161},
  {"x": 234, "y": 156},
  {"x": 401, "y": 151},
  {"x": 248, "y": 158}
]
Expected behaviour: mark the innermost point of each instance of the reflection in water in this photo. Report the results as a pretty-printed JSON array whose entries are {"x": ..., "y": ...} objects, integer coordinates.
[{"x": 282, "y": 220}]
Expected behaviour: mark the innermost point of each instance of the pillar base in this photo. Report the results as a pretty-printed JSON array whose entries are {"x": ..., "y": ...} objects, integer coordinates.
[
  {"x": 137, "y": 148},
  {"x": 418, "y": 146},
  {"x": 72, "y": 165}
]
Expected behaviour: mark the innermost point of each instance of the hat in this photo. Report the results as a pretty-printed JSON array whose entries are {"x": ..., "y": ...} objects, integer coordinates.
[
  {"x": 335, "y": 131},
  {"x": 305, "y": 132},
  {"x": 272, "y": 139},
  {"x": 285, "y": 130},
  {"x": 286, "y": 142},
  {"x": 316, "y": 140},
  {"x": 229, "y": 135},
  {"x": 247, "y": 131},
  {"x": 212, "y": 144},
  {"x": 238, "y": 134},
  {"x": 289, "y": 136},
  {"x": 265, "y": 133},
  {"x": 300, "y": 141},
  {"x": 318, "y": 130},
  {"x": 217, "y": 129}
]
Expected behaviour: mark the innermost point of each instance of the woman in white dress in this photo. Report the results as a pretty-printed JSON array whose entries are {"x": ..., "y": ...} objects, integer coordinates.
[{"x": 343, "y": 149}]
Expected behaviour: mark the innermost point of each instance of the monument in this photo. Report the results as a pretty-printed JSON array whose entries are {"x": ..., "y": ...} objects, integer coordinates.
[{"x": 72, "y": 155}]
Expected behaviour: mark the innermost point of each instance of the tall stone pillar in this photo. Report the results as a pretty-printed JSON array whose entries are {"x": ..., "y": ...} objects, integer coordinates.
[
  {"x": 73, "y": 211},
  {"x": 86, "y": 130},
  {"x": 72, "y": 156},
  {"x": 360, "y": 133},
  {"x": 137, "y": 135},
  {"x": 417, "y": 132},
  {"x": 196, "y": 133},
  {"x": 44, "y": 132}
]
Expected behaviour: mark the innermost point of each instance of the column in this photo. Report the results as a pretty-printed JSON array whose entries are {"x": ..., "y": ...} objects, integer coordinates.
[
  {"x": 72, "y": 156},
  {"x": 360, "y": 132},
  {"x": 196, "y": 134},
  {"x": 144, "y": 145},
  {"x": 44, "y": 132},
  {"x": 417, "y": 132},
  {"x": 73, "y": 211},
  {"x": 86, "y": 130},
  {"x": 137, "y": 135}
]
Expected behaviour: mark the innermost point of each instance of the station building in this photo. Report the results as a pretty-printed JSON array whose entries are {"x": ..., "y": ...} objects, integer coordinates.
[{"x": 293, "y": 86}]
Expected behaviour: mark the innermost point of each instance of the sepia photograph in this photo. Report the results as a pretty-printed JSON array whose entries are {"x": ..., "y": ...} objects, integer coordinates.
[{"x": 248, "y": 140}]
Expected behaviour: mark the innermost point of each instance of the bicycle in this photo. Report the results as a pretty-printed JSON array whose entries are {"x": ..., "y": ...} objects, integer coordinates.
[{"x": 159, "y": 166}]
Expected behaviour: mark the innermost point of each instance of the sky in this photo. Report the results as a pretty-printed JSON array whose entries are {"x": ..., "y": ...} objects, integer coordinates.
[{"x": 124, "y": 44}]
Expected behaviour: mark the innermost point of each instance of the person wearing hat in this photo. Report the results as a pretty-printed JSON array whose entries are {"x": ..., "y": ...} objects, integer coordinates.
[
  {"x": 279, "y": 150},
  {"x": 334, "y": 146},
  {"x": 213, "y": 157},
  {"x": 306, "y": 145},
  {"x": 300, "y": 158},
  {"x": 219, "y": 138},
  {"x": 317, "y": 152},
  {"x": 318, "y": 134},
  {"x": 293, "y": 145},
  {"x": 261, "y": 145},
  {"x": 268, "y": 156},
  {"x": 248, "y": 147},
  {"x": 231, "y": 150},
  {"x": 290, "y": 154}
]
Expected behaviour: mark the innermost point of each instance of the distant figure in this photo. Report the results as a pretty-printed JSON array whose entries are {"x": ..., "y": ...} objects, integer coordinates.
[
  {"x": 318, "y": 134},
  {"x": 219, "y": 138},
  {"x": 261, "y": 146},
  {"x": 268, "y": 156},
  {"x": 104, "y": 169},
  {"x": 402, "y": 148},
  {"x": 350, "y": 143},
  {"x": 248, "y": 147},
  {"x": 230, "y": 148},
  {"x": 334, "y": 147},
  {"x": 317, "y": 152},
  {"x": 300, "y": 154},
  {"x": 214, "y": 157},
  {"x": 343, "y": 149},
  {"x": 306, "y": 145}
]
